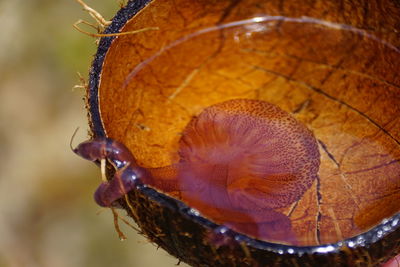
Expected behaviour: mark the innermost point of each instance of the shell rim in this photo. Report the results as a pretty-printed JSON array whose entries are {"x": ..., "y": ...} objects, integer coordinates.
[{"x": 365, "y": 239}]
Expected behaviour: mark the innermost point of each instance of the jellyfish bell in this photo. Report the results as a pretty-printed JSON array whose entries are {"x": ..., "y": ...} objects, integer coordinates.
[{"x": 256, "y": 152}]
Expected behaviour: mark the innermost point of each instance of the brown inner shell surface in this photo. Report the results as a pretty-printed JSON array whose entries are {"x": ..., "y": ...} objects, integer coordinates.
[{"x": 335, "y": 74}]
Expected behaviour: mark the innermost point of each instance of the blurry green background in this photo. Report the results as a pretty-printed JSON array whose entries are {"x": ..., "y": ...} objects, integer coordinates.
[{"x": 47, "y": 213}]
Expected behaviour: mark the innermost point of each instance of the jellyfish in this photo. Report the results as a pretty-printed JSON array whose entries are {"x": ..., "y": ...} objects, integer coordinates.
[{"x": 239, "y": 161}]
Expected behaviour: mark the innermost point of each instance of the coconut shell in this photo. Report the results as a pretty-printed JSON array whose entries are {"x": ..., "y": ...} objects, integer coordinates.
[{"x": 332, "y": 64}]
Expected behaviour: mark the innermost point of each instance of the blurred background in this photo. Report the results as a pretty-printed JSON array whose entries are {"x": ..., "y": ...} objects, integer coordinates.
[{"x": 47, "y": 213}]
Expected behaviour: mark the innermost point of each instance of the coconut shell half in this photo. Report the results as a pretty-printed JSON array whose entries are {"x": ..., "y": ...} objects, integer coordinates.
[{"x": 332, "y": 65}]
